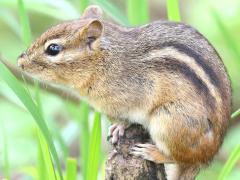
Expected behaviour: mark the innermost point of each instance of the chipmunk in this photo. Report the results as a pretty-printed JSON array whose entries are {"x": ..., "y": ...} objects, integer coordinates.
[{"x": 164, "y": 75}]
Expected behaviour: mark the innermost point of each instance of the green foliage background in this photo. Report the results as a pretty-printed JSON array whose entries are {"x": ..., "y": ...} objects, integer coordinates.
[{"x": 26, "y": 146}]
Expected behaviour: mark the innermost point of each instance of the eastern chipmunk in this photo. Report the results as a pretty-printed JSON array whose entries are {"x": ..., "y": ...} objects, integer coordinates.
[{"x": 164, "y": 75}]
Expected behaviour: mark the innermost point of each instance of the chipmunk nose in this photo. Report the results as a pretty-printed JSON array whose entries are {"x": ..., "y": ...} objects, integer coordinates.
[{"x": 21, "y": 60}]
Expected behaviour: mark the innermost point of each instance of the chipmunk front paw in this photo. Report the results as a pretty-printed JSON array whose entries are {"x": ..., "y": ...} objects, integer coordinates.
[{"x": 116, "y": 131}]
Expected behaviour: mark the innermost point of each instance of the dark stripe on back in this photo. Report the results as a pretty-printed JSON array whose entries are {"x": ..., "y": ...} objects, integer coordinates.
[
  {"x": 170, "y": 64},
  {"x": 199, "y": 60}
]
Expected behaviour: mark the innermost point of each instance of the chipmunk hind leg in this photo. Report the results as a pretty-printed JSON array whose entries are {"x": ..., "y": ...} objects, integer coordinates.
[{"x": 174, "y": 171}]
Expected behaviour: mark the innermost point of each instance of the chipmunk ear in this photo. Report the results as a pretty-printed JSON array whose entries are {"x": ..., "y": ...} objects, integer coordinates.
[
  {"x": 92, "y": 11},
  {"x": 93, "y": 29}
]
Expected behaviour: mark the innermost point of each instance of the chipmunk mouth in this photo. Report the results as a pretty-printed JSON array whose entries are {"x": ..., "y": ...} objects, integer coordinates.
[{"x": 21, "y": 61}]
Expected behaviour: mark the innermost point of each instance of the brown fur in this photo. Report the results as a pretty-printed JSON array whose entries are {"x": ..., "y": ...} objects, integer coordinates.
[{"x": 125, "y": 72}]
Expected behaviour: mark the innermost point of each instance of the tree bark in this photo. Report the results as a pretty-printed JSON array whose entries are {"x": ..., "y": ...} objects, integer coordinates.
[{"x": 123, "y": 166}]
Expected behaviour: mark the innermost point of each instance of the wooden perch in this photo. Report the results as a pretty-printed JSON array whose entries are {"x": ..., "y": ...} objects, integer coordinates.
[
  {"x": 123, "y": 166},
  {"x": 63, "y": 92}
]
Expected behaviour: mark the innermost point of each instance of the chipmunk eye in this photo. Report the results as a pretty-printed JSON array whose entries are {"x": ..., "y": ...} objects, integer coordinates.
[{"x": 53, "y": 49}]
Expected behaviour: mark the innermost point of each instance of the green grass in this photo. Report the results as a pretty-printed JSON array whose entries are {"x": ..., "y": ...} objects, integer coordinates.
[
  {"x": 81, "y": 114},
  {"x": 231, "y": 162},
  {"x": 94, "y": 148},
  {"x": 46, "y": 168},
  {"x": 32, "y": 107},
  {"x": 71, "y": 173},
  {"x": 232, "y": 44},
  {"x": 11, "y": 21},
  {"x": 226, "y": 35},
  {"x": 62, "y": 10},
  {"x": 6, "y": 165},
  {"x": 41, "y": 165},
  {"x": 26, "y": 31},
  {"x": 173, "y": 10},
  {"x": 235, "y": 114},
  {"x": 23, "y": 94},
  {"x": 138, "y": 15}
]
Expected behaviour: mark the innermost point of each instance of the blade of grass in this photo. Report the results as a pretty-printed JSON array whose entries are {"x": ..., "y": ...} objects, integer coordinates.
[
  {"x": 44, "y": 146},
  {"x": 59, "y": 138},
  {"x": 113, "y": 11},
  {"x": 83, "y": 4},
  {"x": 173, "y": 10},
  {"x": 46, "y": 164},
  {"x": 56, "y": 133},
  {"x": 82, "y": 116},
  {"x": 10, "y": 20},
  {"x": 71, "y": 173},
  {"x": 31, "y": 106},
  {"x": 63, "y": 10},
  {"x": 94, "y": 148},
  {"x": 6, "y": 165},
  {"x": 235, "y": 114},
  {"x": 26, "y": 31},
  {"x": 41, "y": 167},
  {"x": 232, "y": 160},
  {"x": 84, "y": 137},
  {"x": 227, "y": 36},
  {"x": 138, "y": 15}
]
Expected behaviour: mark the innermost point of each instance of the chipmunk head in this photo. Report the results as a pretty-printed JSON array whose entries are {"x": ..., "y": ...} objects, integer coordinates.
[{"x": 67, "y": 52}]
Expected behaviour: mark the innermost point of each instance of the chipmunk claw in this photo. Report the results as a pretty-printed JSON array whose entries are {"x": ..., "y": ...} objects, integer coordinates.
[
  {"x": 149, "y": 152},
  {"x": 143, "y": 151},
  {"x": 115, "y": 132}
]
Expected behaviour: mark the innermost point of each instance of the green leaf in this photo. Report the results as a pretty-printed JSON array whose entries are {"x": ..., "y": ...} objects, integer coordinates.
[
  {"x": 232, "y": 160},
  {"x": 45, "y": 164},
  {"x": 138, "y": 15},
  {"x": 32, "y": 107},
  {"x": 94, "y": 148},
  {"x": 173, "y": 10},
  {"x": 26, "y": 31},
  {"x": 71, "y": 173},
  {"x": 113, "y": 11}
]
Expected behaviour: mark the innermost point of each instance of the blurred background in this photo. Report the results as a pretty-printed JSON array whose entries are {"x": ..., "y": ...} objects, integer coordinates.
[{"x": 218, "y": 20}]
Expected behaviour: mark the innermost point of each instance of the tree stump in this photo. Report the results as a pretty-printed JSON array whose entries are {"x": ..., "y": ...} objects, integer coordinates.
[{"x": 123, "y": 166}]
